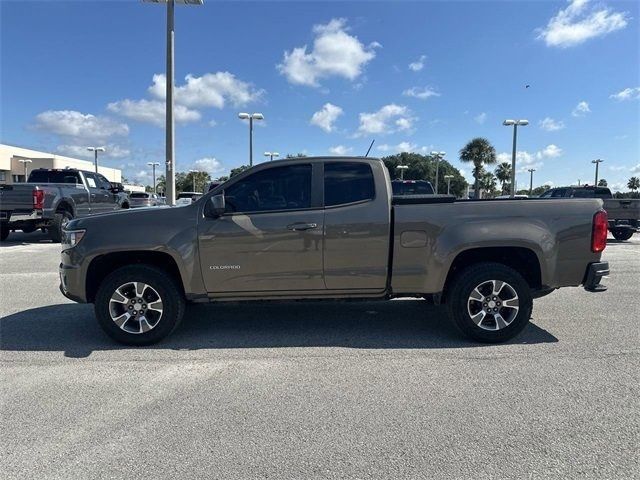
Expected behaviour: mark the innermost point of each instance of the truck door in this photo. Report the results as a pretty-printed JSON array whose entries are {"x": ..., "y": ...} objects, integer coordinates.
[
  {"x": 357, "y": 226},
  {"x": 270, "y": 239},
  {"x": 111, "y": 199},
  {"x": 99, "y": 196}
]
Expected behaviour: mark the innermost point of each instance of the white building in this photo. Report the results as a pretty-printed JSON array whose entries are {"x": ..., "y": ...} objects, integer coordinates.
[{"x": 12, "y": 169}]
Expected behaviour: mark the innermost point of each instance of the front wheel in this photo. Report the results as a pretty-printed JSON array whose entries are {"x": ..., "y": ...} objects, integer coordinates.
[
  {"x": 58, "y": 223},
  {"x": 621, "y": 234},
  {"x": 490, "y": 302},
  {"x": 139, "y": 305},
  {"x": 4, "y": 231}
]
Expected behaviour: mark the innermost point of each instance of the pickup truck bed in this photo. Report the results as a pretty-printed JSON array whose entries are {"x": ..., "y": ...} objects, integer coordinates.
[{"x": 330, "y": 228}]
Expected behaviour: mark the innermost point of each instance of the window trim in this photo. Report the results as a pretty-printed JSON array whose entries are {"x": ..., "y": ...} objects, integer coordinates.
[{"x": 356, "y": 202}]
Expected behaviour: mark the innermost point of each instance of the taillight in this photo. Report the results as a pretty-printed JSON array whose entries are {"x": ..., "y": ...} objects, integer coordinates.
[
  {"x": 599, "y": 231},
  {"x": 38, "y": 199}
]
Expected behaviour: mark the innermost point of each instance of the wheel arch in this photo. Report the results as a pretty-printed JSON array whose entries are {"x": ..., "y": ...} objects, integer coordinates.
[{"x": 103, "y": 265}]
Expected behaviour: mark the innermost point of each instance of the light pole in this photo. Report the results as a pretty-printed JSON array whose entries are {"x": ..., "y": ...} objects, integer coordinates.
[
  {"x": 271, "y": 155},
  {"x": 402, "y": 168},
  {"x": 515, "y": 124},
  {"x": 193, "y": 177},
  {"x": 170, "y": 177},
  {"x": 153, "y": 166},
  {"x": 448, "y": 179},
  {"x": 439, "y": 156},
  {"x": 24, "y": 162},
  {"x": 95, "y": 151},
  {"x": 531, "y": 170},
  {"x": 597, "y": 162},
  {"x": 251, "y": 117}
]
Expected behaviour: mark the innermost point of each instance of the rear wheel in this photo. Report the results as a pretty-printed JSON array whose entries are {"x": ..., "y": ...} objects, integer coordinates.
[
  {"x": 4, "y": 231},
  {"x": 60, "y": 220},
  {"x": 622, "y": 234},
  {"x": 489, "y": 302},
  {"x": 139, "y": 305},
  {"x": 29, "y": 229}
]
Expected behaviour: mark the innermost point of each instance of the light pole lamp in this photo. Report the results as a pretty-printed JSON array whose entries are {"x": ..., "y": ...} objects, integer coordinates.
[
  {"x": 439, "y": 156},
  {"x": 515, "y": 124},
  {"x": 193, "y": 177},
  {"x": 531, "y": 170},
  {"x": 402, "y": 168},
  {"x": 95, "y": 151},
  {"x": 251, "y": 117},
  {"x": 153, "y": 166},
  {"x": 448, "y": 179},
  {"x": 170, "y": 177},
  {"x": 24, "y": 162},
  {"x": 597, "y": 162},
  {"x": 271, "y": 155}
]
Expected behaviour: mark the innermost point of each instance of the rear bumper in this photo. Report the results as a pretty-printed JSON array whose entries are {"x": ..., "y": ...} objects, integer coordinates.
[
  {"x": 595, "y": 272},
  {"x": 22, "y": 216}
]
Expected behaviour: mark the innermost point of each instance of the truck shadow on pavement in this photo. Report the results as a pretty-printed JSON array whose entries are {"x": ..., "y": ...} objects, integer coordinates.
[{"x": 404, "y": 324}]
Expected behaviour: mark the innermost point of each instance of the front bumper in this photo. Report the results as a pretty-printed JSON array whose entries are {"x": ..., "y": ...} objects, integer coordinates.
[
  {"x": 595, "y": 272},
  {"x": 72, "y": 282}
]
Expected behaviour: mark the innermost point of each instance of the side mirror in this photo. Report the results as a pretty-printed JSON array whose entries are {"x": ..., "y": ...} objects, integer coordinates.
[{"x": 216, "y": 205}]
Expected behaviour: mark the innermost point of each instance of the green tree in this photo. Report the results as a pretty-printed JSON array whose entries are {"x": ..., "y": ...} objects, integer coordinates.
[
  {"x": 480, "y": 152},
  {"x": 503, "y": 174},
  {"x": 237, "y": 170},
  {"x": 602, "y": 182},
  {"x": 487, "y": 182},
  {"x": 423, "y": 167},
  {"x": 192, "y": 181},
  {"x": 633, "y": 184},
  {"x": 536, "y": 192}
]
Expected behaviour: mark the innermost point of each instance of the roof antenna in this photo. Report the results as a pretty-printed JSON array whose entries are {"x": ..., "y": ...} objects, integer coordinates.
[{"x": 372, "y": 142}]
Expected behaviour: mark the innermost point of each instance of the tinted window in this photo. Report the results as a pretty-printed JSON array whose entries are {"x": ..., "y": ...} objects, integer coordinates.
[
  {"x": 546, "y": 194},
  {"x": 559, "y": 192},
  {"x": 279, "y": 188},
  {"x": 418, "y": 187},
  {"x": 583, "y": 193},
  {"x": 103, "y": 182},
  {"x": 603, "y": 193},
  {"x": 347, "y": 182},
  {"x": 139, "y": 195},
  {"x": 53, "y": 176}
]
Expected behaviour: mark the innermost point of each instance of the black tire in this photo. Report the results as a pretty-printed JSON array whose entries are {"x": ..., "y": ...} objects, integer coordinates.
[
  {"x": 4, "y": 231},
  {"x": 622, "y": 234},
  {"x": 29, "y": 229},
  {"x": 125, "y": 205},
  {"x": 462, "y": 305},
  {"x": 59, "y": 221},
  {"x": 162, "y": 285}
]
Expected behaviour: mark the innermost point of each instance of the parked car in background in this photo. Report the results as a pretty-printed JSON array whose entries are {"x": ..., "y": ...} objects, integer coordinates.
[
  {"x": 623, "y": 213},
  {"x": 145, "y": 199},
  {"x": 330, "y": 228},
  {"x": 187, "y": 198},
  {"x": 412, "y": 187},
  {"x": 53, "y": 197},
  {"x": 123, "y": 196}
]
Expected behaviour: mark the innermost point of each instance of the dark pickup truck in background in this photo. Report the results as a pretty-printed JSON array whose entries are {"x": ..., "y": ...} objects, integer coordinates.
[
  {"x": 623, "y": 213},
  {"x": 53, "y": 197}
]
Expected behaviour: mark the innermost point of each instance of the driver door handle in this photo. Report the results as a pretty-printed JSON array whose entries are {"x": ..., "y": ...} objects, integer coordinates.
[{"x": 298, "y": 227}]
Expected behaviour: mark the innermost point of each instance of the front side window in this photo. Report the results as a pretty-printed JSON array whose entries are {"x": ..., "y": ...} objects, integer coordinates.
[
  {"x": 347, "y": 182},
  {"x": 279, "y": 188}
]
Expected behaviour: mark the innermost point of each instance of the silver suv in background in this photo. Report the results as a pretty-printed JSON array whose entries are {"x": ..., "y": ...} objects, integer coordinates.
[{"x": 143, "y": 199}]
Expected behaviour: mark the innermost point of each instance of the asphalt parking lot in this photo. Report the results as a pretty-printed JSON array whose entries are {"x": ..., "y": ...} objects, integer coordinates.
[{"x": 311, "y": 390}]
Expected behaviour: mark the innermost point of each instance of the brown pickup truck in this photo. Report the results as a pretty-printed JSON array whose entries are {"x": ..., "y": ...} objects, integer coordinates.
[{"x": 318, "y": 228}]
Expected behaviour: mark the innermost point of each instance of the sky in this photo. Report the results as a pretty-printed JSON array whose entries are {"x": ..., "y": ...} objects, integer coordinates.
[{"x": 329, "y": 77}]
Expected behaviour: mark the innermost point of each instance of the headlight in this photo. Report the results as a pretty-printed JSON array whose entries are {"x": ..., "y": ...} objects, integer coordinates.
[{"x": 73, "y": 237}]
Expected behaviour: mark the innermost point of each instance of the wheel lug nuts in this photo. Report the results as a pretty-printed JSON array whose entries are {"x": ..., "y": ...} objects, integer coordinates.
[
  {"x": 495, "y": 309},
  {"x": 130, "y": 307}
]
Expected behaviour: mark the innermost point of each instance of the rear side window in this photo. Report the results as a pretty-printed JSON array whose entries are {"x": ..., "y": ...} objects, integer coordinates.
[
  {"x": 139, "y": 195},
  {"x": 54, "y": 176},
  {"x": 347, "y": 182}
]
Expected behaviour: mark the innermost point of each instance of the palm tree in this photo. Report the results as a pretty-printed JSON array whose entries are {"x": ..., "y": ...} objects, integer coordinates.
[
  {"x": 487, "y": 182},
  {"x": 503, "y": 174},
  {"x": 480, "y": 152},
  {"x": 634, "y": 183},
  {"x": 602, "y": 182}
]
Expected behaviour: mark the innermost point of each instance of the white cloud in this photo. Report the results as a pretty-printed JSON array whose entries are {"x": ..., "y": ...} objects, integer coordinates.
[
  {"x": 334, "y": 53},
  {"x": 326, "y": 117},
  {"x": 551, "y": 125},
  {"x": 526, "y": 160},
  {"x": 209, "y": 90},
  {"x": 211, "y": 165},
  {"x": 550, "y": 151},
  {"x": 212, "y": 123},
  {"x": 421, "y": 93},
  {"x": 403, "y": 147},
  {"x": 627, "y": 94},
  {"x": 152, "y": 111},
  {"x": 80, "y": 126},
  {"x": 340, "y": 150},
  {"x": 388, "y": 119},
  {"x": 481, "y": 118},
  {"x": 418, "y": 64},
  {"x": 617, "y": 168},
  {"x": 581, "y": 109},
  {"x": 635, "y": 169},
  {"x": 579, "y": 22},
  {"x": 112, "y": 151}
]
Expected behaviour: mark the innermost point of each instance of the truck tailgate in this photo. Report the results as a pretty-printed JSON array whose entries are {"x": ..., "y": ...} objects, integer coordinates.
[
  {"x": 16, "y": 198},
  {"x": 622, "y": 208}
]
